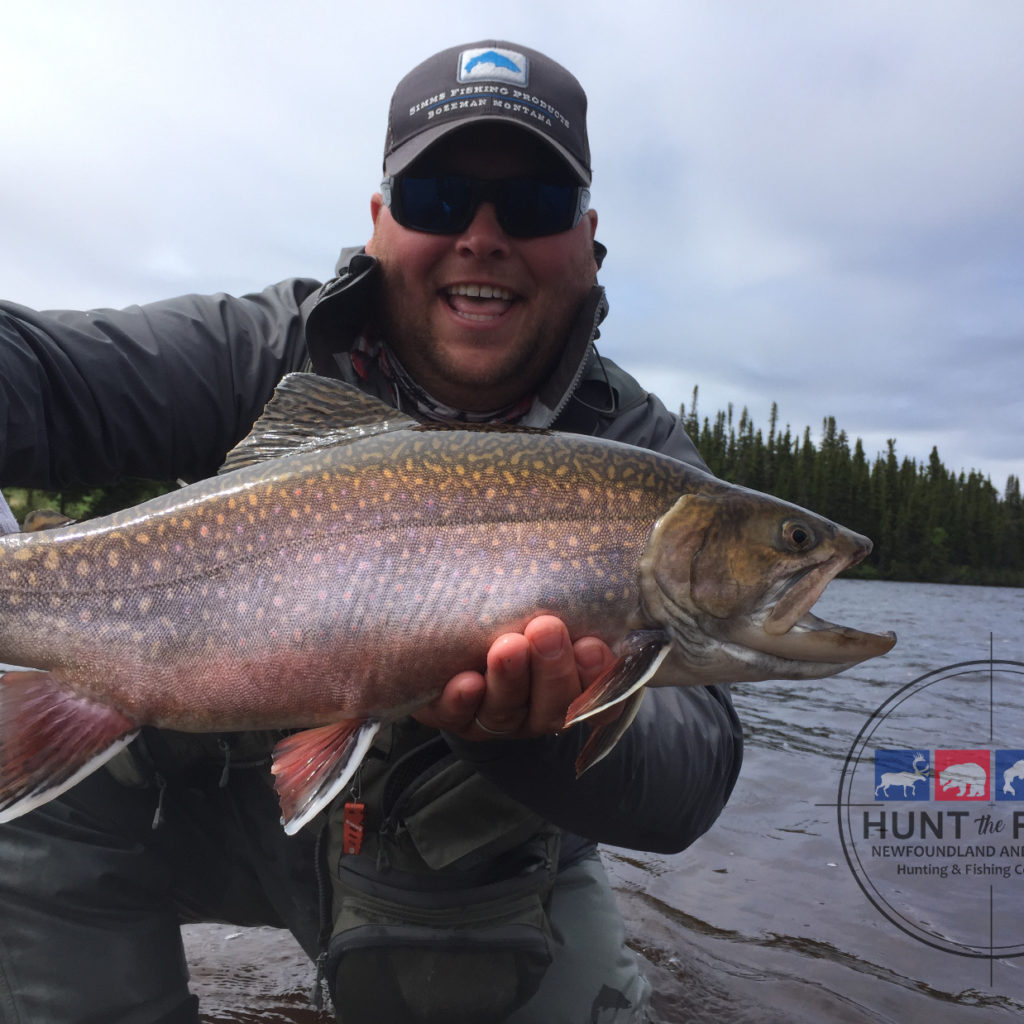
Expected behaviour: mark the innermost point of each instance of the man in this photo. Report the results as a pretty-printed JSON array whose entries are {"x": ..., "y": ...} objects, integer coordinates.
[{"x": 459, "y": 880}]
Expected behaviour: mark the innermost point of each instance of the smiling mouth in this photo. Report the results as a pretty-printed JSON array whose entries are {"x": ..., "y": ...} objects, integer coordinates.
[{"x": 479, "y": 302}]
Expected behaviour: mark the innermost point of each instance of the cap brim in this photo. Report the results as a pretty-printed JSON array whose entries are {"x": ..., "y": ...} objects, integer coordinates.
[{"x": 402, "y": 156}]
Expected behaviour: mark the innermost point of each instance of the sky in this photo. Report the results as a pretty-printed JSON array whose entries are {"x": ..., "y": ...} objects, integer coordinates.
[{"x": 815, "y": 203}]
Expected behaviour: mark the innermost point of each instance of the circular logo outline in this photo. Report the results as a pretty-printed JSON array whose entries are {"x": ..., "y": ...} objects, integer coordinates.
[{"x": 850, "y": 765}]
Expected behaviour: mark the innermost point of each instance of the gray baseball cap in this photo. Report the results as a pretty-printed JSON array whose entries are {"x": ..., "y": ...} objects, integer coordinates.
[{"x": 490, "y": 81}]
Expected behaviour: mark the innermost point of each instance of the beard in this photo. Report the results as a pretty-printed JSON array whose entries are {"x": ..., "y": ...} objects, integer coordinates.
[{"x": 474, "y": 378}]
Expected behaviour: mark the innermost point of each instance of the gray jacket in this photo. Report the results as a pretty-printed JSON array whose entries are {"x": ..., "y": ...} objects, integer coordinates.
[{"x": 164, "y": 390}]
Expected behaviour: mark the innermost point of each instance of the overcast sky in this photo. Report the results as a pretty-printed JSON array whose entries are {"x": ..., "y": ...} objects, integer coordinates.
[{"x": 815, "y": 203}]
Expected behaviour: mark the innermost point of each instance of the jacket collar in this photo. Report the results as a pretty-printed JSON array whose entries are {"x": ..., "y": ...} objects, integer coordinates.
[{"x": 337, "y": 312}]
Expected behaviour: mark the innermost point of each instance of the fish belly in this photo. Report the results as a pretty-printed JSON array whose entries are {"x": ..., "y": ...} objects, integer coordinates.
[{"x": 321, "y": 623}]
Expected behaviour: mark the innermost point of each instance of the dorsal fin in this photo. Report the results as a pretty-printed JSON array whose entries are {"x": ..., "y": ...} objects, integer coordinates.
[
  {"x": 307, "y": 413},
  {"x": 8, "y": 524}
]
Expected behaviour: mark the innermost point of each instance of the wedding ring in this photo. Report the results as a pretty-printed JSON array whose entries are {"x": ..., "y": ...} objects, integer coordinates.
[{"x": 493, "y": 732}]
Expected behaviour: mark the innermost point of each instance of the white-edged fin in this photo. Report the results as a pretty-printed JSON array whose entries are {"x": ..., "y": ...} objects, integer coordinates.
[
  {"x": 44, "y": 794},
  {"x": 313, "y": 766},
  {"x": 8, "y": 524},
  {"x": 51, "y": 739},
  {"x": 645, "y": 651},
  {"x": 603, "y": 737}
]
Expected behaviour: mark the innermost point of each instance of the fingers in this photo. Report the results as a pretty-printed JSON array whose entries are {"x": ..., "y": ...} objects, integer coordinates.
[
  {"x": 593, "y": 658},
  {"x": 456, "y": 708},
  {"x": 531, "y": 679}
]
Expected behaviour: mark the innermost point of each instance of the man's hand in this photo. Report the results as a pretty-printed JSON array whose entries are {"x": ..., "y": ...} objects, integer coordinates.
[{"x": 531, "y": 679}]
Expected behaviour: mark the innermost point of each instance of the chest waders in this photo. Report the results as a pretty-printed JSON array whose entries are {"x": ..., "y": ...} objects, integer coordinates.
[{"x": 441, "y": 914}]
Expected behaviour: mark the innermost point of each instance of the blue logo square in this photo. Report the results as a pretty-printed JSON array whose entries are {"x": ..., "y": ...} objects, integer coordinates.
[
  {"x": 1008, "y": 781},
  {"x": 902, "y": 775}
]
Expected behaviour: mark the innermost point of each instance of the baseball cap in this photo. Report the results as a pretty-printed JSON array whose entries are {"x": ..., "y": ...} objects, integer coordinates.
[{"x": 490, "y": 81}]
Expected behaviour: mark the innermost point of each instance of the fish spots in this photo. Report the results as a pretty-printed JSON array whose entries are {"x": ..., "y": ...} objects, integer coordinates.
[
  {"x": 83, "y": 568},
  {"x": 145, "y": 603},
  {"x": 51, "y": 560}
]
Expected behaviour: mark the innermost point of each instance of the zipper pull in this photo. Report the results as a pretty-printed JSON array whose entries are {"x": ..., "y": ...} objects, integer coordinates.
[
  {"x": 158, "y": 816},
  {"x": 226, "y": 751},
  {"x": 317, "y": 995},
  {"x": 352, "y": 827}
]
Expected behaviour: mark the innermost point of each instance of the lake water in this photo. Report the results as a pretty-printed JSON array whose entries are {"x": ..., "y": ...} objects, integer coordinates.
[{"x": 763, "y": 920}]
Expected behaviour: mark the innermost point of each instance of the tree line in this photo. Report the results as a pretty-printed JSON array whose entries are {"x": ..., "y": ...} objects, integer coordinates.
[{"x": 928, "y": 523}]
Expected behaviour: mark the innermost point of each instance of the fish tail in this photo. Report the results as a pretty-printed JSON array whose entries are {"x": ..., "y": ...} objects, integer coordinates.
[
  {"x": 313, "y": 766},
  {"x": 51, "y": 739}
]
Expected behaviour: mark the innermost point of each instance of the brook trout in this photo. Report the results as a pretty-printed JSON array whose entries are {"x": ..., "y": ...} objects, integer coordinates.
[{"x": 301, "y": 587}]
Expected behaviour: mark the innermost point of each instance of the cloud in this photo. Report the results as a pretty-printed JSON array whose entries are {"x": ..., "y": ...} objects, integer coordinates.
[{"x": 817, "y": 205}]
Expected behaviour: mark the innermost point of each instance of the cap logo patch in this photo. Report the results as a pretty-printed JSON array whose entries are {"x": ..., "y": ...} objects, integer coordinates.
[{"x": 490, "y": 65}]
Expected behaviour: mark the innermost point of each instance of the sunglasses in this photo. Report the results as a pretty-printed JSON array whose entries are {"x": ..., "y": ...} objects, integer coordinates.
[{"x": 447, "y": 203}]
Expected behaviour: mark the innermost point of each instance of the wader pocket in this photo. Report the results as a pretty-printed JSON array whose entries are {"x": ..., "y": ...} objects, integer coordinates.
[{"x": 453, "y": 957}]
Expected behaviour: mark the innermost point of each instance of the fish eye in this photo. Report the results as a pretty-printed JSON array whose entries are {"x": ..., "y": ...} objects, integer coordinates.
[{"x": 798, "y": 536}]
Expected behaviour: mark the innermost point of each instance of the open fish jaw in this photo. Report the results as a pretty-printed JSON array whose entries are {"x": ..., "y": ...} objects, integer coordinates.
[{"x": 736, "y": 616}]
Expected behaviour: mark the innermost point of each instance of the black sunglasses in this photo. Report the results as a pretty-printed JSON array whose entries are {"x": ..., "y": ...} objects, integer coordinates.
[{"x": 447, "y": 203}]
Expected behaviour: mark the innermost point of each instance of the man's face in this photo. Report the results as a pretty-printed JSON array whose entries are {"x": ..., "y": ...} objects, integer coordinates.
[{"x": 479, "y": 317}]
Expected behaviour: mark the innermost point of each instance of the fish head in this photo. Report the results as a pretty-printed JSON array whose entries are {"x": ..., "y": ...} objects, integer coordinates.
[{"x": 732, "y": 574}]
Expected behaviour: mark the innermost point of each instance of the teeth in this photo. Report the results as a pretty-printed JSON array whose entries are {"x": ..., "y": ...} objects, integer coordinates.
[{"x": 480, "y": 291}]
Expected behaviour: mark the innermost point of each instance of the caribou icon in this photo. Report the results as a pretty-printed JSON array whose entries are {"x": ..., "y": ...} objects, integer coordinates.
[{"x": 905, "y": 780}]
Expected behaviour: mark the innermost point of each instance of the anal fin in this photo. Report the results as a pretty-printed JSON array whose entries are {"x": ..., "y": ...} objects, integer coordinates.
[
  {"x": 313, "y": 766},
  {"x": 51, "y": 739}
]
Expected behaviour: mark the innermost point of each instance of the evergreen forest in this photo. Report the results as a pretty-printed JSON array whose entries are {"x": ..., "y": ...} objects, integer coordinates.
[{"x": 928, "y": 523}]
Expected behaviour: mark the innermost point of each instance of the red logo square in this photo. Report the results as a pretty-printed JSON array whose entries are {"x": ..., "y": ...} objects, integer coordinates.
[{"x": 963, "y": 775}]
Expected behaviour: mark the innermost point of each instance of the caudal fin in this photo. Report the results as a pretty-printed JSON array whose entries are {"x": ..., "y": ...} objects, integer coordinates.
[
  {"x": 50, "y": 740},
  {"x": 312, "y": 767}
]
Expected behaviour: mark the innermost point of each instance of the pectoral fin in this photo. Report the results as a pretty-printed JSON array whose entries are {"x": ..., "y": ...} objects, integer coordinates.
[
  {"x": 312, "y": 767},
  {"x": 644, "y": 651},
  {"x": 616, "y": 695},
  {"x": 605, "y": 735}
]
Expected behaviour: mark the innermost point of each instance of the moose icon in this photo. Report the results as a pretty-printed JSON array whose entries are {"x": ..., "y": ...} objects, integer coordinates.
[{"x": 905, "y": 780}]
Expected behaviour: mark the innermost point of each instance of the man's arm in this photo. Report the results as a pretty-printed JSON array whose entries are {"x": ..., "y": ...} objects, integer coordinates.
[
  {"x": 660, "y": 788},
  {"x": 161, "y": 390}
]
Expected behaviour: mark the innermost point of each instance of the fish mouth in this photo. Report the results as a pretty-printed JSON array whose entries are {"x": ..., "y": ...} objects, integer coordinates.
[{"x": 790, "y": 631}]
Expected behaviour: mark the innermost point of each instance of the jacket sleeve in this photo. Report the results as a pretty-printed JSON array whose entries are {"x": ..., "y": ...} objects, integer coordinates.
[
  {"x": 668, "y": 778},
  {"x": 661, "y": 787},
  {"x": 161, "y": 390}
]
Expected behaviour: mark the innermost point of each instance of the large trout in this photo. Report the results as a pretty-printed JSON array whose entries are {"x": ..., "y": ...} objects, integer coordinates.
[{"x": 301, "y": 588}]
